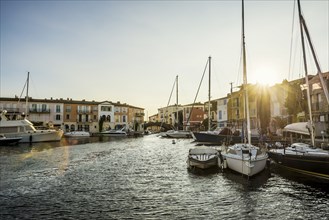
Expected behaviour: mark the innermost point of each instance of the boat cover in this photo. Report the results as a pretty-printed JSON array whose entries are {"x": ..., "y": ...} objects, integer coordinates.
[{"x": 299, "y": 127}]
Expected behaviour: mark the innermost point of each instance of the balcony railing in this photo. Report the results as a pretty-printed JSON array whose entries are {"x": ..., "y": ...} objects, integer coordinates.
[
  {"x": 83, "y": 111},
  {"x": 140, "y": 114},
  {"x": 39, "y": 110}
]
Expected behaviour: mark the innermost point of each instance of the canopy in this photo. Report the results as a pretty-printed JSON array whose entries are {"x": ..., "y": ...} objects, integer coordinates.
[{"x": 299, "y": 128}]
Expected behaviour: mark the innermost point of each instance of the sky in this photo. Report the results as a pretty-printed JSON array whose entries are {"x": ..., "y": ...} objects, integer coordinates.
[{"x": 131, "y": 51}]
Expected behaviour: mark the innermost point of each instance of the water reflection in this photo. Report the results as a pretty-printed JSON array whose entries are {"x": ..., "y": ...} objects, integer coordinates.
[{"x": 142, "y": 178}]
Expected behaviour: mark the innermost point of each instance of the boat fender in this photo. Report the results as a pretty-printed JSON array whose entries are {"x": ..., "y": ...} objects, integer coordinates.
[{"x": 224, "y": 164}]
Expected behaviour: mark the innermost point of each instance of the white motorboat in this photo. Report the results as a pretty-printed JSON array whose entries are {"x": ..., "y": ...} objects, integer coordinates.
[
  {"x": 24, "y": 128},
  {"x": 203, "y": 157},
  {"x": 115, "y": 133},
  {"x": 77, "y": 134},
  {"x": 9, "y": 141},
  {"x": 179, "y": 134}
]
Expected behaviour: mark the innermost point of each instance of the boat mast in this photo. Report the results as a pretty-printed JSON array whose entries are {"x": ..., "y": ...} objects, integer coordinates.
[
  {"x": 245, "y": 82},
  {"x": 176, "y": 116},
  {"x": 306, "y": 73},
  {"x": 27, "y": 95},
  {"x": 325, "y": 89},
  {"x": 209, "y": 95}
]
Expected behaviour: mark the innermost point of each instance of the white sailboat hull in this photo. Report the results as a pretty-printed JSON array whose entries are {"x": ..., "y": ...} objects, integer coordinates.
[{"x": 245, "y": 166}]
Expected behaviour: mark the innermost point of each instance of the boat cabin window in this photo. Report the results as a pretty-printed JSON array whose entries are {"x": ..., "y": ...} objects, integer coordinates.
[
  {"x": 27, "y": 128},
  {"x": 6, "y": 130}
]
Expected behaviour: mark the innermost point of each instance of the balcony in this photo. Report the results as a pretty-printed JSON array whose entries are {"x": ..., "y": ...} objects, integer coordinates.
[
  {"x": 39, "y": 111},
  {"x": 139, "y": 114},
  {"x": 83, "y": 111}
]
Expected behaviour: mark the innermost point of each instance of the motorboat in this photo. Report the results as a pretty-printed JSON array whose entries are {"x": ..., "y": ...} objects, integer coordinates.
[
  {"x": 203, "y": 157},
  {"x": 24, "y": 129},
  {"x": 115, "y": 132},
  {"x": 303, "y": 158},
  {"x": 77, "y": 134},
  {"x": 9, "y": 141},
  {"x": 246, "y": 159},
  {"x": 179, "y": 134}
]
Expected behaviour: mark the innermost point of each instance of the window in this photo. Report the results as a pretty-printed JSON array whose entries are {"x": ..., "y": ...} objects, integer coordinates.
[
  {"x": 220, "y": 115},
  {"x": 58, "y": 108},
  {"x": 237, "y": 102},
  {"x": 67, "y": 116},
  {"x": 319, "y": 97},
  {"x": 124, "y": 118},
  {"x": 34, "y": 107},
  {"x": 58, "y": 117},
  {"x": 68, "y": 108},
  {"x": 106, "y": 108},
  {"x": 44, "y": 107}
]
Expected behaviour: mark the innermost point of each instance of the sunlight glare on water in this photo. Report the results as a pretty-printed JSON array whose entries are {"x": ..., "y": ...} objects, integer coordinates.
[{"x": 141, "y": 178}]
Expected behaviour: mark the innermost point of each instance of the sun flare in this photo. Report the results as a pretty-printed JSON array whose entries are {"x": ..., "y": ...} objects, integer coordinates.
[{"x": 264, "y": 76}]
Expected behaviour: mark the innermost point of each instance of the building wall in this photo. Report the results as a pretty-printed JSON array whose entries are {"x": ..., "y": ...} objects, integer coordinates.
[{"x": 222, "y": 115}]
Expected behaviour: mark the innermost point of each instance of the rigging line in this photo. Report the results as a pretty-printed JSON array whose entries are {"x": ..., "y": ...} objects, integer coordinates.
[
  {"x": 19, "y": 99},
  {"x": 173, "y": 86},
  {"x": 325, "y": 89},
  {"x": 204, "y": 71},
  {"x": 291, "y": 41}
]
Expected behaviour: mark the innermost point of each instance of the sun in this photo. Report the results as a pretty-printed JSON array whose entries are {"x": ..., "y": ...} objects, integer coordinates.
[{"x": 265, "y": 76}]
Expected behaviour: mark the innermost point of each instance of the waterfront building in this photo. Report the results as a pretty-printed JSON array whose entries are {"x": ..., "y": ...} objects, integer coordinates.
[
  {"x": 171, "y": 115},
  {"x": 222, "y": 116},
  {"x": 42, "y": 112},
  {"x": 136, "y": 117},
  {"x": 193, "y": 116},
  {"x": 235, "y": 109},
  {"x": 80, "y": 115},
  {"x": 213, "y": 112},
  {"x": 320, "y": 106},
  {"x": 71, "y": 115},
  {"x": 106, "y": 116}
]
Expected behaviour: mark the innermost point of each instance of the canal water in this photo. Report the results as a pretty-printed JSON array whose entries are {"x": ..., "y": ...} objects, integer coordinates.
[{"x": 143, "y": 178}]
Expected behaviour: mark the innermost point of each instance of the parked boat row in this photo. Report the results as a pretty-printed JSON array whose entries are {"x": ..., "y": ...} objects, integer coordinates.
[{"x": 250, "y": 160}]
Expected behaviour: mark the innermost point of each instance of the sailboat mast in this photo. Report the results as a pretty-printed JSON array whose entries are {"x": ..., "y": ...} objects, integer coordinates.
[
  {"x": 27, "y": 95},
  {"x": 209, "y": 94},
  {"x": 176, "y": 116},
  {"x": 325, "y": 89},
  {"x": 306, "y": 72},
  {"x": 245, "y": 81}
]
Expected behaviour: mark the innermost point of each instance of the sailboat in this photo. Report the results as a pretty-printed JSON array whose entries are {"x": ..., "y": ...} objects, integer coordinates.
[
  {"x": 177, "y": 133},
  {"x": 303, "y": 158},
  {"x": 245, "y": 158},
  {"x": 24, "y": 129},
  {"x": 215, "y": 137}
]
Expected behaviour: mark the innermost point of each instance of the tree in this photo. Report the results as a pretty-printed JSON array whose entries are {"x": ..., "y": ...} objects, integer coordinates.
[
  {"x": 101, "y": 122},
  {"x": 296, "y": 101}
]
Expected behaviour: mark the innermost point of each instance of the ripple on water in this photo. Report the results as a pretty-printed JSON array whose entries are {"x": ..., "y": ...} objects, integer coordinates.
[{"x": 143, "y": 178}]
